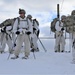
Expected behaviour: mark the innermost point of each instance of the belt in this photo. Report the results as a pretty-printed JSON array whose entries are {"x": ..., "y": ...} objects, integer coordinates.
[{"x": 23, "y": 28}]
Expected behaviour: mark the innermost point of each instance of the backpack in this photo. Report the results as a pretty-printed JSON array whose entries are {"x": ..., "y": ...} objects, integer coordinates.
[
  {"x": 34, "y": 20},
  {"x": 53, "y": 25},
  {"x": 5, "y": 23},
  {"x": 70, "y": 24}
]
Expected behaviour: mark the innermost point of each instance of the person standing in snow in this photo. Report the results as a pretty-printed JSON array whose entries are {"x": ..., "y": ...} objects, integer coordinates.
[
  {"x": 31, "y": 35},
  {"x": 60, "y": 39},
  {"x": 7, "y": 39},
  {"x": 73, "y": 39},
  {"x": 35, "y": 35},
  {"x": 22, "y": 27},
  {"x": 6, "y": 34}
]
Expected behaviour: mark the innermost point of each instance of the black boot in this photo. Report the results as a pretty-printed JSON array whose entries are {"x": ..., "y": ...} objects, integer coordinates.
[
  {"x": 1, "y": 52},
  {"x": 62, "y": 51},
  {"x": 56, "y": 51}
]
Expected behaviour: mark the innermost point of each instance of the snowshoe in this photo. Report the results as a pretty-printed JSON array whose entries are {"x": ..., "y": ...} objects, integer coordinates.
[
  {"x": 25, "y": 57},
  {"x": 35, "y": 50},
  {"x": 56, "y": 51},
  {"x": 2, "y": 52},
  {"x": 15, "y": 57},
  {"x": 62, "y": 51},
  {"x": 67, "y": 51}
]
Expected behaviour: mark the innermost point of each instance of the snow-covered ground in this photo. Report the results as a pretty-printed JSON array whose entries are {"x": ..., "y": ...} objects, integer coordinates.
[{"x": 46, "y": 63}]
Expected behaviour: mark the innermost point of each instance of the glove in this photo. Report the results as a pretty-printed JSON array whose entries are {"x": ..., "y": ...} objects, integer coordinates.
[
  {"x": 38, "y": 33},
  {"x": 34, "y": 19},
  {"x": 28, "y": 33},
  {"x": 34, "y": 28},
  {"x": 32, "y": 50},
  {"x": 62, "y": 29},
  {"x": 14, "y": 44},
  {"x": 18, "y": 32},
  {"x": 2, "y": 31}
]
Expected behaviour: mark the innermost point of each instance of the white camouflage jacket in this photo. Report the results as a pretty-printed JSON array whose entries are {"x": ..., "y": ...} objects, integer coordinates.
[
  {"x": 58, "y": 26},
  {"x": 24, "y": 24}
]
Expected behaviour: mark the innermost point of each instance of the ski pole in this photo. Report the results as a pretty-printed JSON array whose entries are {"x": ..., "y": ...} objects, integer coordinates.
[
  {"x": 31, "y": 43},
  {"x": 42, "y": 44},
  {"x": 12, "y": 48}
]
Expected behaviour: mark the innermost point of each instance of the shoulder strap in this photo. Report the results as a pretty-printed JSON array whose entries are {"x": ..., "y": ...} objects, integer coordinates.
[
  {"x": 36, "y": 22},
  {"x": 19, "y": 22},
  {"x": 33, "y": 22},
  {"x": 27, "y": 21}
]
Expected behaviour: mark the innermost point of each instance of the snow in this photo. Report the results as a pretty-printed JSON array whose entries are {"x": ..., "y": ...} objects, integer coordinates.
[{"x": 46, "y": 63}]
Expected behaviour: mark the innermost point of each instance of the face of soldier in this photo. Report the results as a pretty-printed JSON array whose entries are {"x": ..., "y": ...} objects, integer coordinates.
[
  {"x": 22, "y": 15},
  {"x": 62, "y": 20}
]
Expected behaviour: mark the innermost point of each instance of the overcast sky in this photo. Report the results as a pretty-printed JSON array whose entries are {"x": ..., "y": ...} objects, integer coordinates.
[{"x": 43, "y": 10}]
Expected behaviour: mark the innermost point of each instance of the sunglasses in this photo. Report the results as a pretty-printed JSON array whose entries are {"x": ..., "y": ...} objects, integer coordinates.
[{"x": 22, "y": 13}]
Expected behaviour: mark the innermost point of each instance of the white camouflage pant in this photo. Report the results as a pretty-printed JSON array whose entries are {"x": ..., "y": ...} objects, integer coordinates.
[
  {"x": 20, "y": 39},
  {"x": 60, "y": 40},
  {"x": 34, "y": 41},
  {"x": 5, "y": 39},
  {"x": 2, "y": 44},
  {"x": 73, "y": 46}
]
